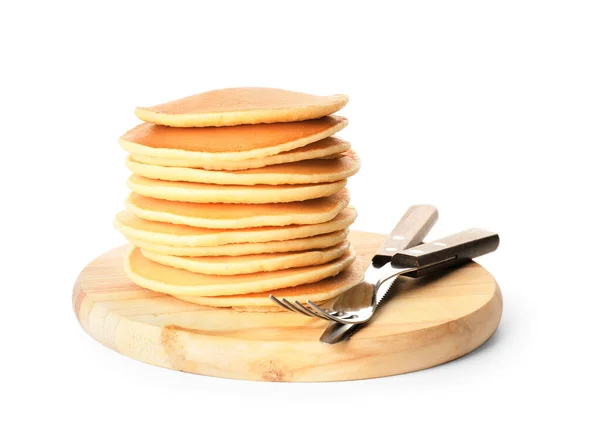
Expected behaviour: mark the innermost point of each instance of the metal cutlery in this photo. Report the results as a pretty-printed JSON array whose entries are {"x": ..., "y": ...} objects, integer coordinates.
[
  {"x": 410, "y": 231},
  {"x": 356, "y": 306},
  {"x": 414, "y": 262}
]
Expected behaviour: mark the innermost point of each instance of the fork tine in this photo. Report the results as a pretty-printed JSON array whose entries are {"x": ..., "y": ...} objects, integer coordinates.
[
  {"x": 308, "y": 311},
  {"x": 319, "y": 310},
  {"x": 279, "y": 303},
  {"x": 291, "y": 306}
]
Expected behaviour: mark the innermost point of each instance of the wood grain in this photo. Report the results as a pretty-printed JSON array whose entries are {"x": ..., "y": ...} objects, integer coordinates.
[{"x": 433, "y": 321}]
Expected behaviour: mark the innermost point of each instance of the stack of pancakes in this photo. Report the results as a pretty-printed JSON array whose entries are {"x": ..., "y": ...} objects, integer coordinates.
[{"x": 240, "y": 193}]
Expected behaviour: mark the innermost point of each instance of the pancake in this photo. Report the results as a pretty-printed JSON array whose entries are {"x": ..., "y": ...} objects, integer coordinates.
[
  {"x": 182, "y": 235},
  {"x": 250, "y": 264},
  {"x": 228, "y": 144},
  {"x": 234, "y": 249},
  {"x": 178, "y": 282},
  {"x": 236, "y": 216},
  {"x": 302, "y": 172},
  {"x": 318, "y": 293},
  {"x": 238, "y": 106},
  {"x": 209, "y": 193},
  {"x": 330, "y": 147}
]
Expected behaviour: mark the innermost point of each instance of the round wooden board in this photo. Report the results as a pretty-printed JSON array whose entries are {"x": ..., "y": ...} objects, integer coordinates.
[{"x": 433, "y": 321}]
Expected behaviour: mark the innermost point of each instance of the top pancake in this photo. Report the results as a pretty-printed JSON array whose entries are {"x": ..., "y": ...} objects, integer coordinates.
[{"x": 239, "y": 106}]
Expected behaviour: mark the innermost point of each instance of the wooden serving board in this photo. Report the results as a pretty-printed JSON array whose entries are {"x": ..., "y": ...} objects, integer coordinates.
[{"x": 432, "y": 321}]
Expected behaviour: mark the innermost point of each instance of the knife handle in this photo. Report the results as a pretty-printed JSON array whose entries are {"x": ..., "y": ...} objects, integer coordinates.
[
  {"x": 458, "y": 247},
  {"x": 410, "y": 231}
]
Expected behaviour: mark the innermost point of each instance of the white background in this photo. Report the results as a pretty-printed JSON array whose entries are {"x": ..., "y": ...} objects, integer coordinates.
[{"x": 489, "y": 110}]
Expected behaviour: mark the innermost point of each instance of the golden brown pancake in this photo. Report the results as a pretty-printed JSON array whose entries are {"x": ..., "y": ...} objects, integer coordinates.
[
  {"x": 179, "y": 282},
  {"x": 234, "y": 249},
  {"x": 209, "y": 193},
  {"x": 238, "y": 106},
  {"x": 190, "y": 236},
  {"x": 229, "y": 143},
  {"x": 302, "y": 172},
  {"x": 250, "y": 264},
  {"x": 236, "y": 216},
  {"x": 328, "y": 148},
  {"x": 318, "y": 293}
]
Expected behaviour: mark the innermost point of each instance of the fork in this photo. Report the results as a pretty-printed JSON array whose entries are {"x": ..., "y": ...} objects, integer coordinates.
[{"x": 414, "y": 262}]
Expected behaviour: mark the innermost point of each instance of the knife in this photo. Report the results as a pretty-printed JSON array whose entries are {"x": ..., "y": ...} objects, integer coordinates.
[{"x": 410, "y": 231}]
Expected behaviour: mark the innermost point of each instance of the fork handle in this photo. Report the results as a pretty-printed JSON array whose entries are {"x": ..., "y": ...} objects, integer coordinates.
[
  {"x": 410, "y": 231},
  {"x": 458, "y": 247}
]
